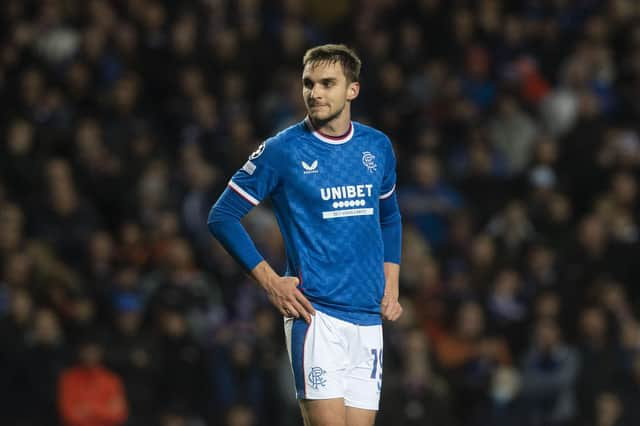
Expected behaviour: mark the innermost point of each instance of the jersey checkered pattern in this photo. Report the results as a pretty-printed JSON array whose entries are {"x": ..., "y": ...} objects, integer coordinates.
[{"x": 326, "y": 194}]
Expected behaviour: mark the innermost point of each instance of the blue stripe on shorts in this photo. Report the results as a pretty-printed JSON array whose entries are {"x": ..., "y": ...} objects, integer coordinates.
[{"x": 298, "y": 338}]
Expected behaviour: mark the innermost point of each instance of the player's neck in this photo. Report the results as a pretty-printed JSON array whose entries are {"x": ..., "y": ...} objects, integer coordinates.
[{"x": 336, "y": 127}]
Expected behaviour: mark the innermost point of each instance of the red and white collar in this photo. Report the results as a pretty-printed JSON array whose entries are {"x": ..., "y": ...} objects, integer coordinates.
[{"x": 334, "y": 140}]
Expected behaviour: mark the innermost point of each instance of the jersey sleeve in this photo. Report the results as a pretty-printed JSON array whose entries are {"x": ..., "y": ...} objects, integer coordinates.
[
  {"x": 389, "y": 178},
  {"x": 390, "y": 219},
  {"x": 224, "y": 224},
  {"x": 258, "y": 177},
  {"x": 248, "y": 186}
]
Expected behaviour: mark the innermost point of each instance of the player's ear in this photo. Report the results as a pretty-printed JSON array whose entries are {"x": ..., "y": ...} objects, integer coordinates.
[{"x": 353, "y": 90}]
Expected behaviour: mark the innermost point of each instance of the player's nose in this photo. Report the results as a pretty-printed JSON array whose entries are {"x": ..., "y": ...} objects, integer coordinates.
[{"x": 315, "y": 92}]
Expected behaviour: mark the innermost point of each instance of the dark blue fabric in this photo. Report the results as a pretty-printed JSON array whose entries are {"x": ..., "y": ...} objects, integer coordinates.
[
  {"x": 298, "y": 338},
  {"x": 391, "y": 225},
  {"x": 224, "y": 224}
]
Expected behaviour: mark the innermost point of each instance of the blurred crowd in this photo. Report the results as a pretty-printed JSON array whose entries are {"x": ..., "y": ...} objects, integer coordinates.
[{"x": 516, "y": 130}]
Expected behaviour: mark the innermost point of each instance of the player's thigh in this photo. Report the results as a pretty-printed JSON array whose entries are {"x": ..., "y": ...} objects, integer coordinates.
[
  {"x": 363, "y": 380},
  {"x": 360, "y": 417},
  {"x": 318, "y": 357},
  {"x": 324, "y": 412}
]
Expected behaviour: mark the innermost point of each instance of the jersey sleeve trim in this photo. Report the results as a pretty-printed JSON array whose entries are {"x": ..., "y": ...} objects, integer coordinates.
[
  {"x": 244, "y": 194},
  {"x": 388, "y": 194}
]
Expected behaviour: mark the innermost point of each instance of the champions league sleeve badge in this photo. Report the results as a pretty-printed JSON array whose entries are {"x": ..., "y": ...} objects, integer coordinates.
[{"x": 258, "y": 151}]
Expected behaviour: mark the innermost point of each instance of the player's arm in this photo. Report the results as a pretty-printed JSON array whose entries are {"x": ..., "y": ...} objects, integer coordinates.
[
  {"x": 224, "y": 224},
  {"x": 283, "y": 292},
  {"x": 391, "y": 226}
]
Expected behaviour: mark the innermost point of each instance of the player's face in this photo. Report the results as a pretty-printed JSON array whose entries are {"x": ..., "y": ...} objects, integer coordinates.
[{"x": 326, "y": 91}]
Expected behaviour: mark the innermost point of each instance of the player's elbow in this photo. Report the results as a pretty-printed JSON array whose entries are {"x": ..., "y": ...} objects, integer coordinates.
[
  {"x": 390, "y": 211},
  {"x": 214, "y": 228},
  {"x": 216, "y": 221},
  {"x": 393, "y": 219}
]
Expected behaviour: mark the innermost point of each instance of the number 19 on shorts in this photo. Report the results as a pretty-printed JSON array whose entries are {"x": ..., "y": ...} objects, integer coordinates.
[{"x": 376, "y": 371}]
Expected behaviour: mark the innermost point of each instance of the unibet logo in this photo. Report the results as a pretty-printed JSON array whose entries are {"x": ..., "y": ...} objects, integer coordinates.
[{"x": 346, "y": 192}]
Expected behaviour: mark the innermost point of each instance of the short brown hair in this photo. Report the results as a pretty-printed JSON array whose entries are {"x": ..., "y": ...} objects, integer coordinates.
[{"x": 333, "y": 53}]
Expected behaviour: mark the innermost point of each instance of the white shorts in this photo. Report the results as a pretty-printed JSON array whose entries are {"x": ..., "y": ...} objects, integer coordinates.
[{"x": 332, "y": 358}]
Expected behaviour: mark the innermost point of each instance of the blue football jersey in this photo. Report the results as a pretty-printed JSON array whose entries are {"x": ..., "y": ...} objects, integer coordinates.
[{"x": 326, "y": 192}]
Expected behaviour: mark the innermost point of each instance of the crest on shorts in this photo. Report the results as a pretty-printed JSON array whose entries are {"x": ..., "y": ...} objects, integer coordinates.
[{"x": 316, "y": 377}]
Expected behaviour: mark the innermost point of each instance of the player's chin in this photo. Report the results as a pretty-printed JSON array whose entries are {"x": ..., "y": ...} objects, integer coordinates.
[{"x": 318, "y": 115}]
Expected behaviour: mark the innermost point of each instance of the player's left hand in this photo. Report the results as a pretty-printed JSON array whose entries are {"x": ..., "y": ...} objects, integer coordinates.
[{"x": 390, "y": 307}]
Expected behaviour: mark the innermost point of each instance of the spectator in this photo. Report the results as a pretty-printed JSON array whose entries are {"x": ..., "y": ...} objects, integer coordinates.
[
  {"x": 43, "y": 362},
  {"x": 609, "y": 410},
  {"x": 238, "y": 377},
  {"x": 19, "y": 158},
  {"x": 12, "y": 227},
  {"x": 66, "y": 220},
  {"x": 541, "y": 270},
  {"x": 508, "y": 308},
  {"x": 241, "y": 415},
  {"x": 512, "y": 230},
  {"x": 597, "y": 366},
  {"x": 504, "y": 407},
  {"x": 630, "y": 388},
  {"x": 14, "y": 326},
  {"x": 132, "y": 355},
  {"x": 469, "y": 356},
  {"x": 550, "y": 368},
  {"x": 483, "y": 263},
  {"x": 417, "y": 395},
  {"x": 183, "y": 283},
  {"x": 182, "y": 372},
  {"x": 89, "y": 393},
  {"x": 429, "y": 201},
  {"x": 512, "y": 133}
]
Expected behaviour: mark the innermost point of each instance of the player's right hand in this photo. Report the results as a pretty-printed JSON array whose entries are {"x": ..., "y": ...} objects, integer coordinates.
[{"x": 284, "y": 294}]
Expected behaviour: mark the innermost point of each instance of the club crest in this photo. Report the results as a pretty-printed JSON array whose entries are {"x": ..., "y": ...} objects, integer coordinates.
[{"x": 369, "y": 161}]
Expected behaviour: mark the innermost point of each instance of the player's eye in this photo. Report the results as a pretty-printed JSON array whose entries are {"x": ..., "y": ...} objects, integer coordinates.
[{"x": 308, "y": 84}]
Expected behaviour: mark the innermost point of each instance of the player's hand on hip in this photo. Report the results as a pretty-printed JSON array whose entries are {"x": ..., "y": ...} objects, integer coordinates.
[
  {"x": 390, "y": 307},
  {"x": 284, "y": 294}
]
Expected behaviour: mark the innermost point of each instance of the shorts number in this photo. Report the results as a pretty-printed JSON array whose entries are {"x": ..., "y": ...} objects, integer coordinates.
[{"x": 377, "y": 358}]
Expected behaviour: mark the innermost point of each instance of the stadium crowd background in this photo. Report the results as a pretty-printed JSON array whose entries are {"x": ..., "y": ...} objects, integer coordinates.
[{"x": 516, "y": 130}]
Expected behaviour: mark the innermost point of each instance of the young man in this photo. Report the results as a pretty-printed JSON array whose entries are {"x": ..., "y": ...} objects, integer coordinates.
[{"x": 332, "y": 185}]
